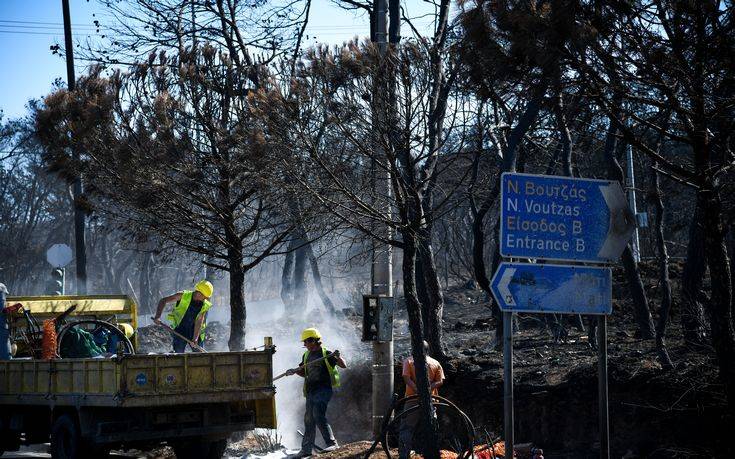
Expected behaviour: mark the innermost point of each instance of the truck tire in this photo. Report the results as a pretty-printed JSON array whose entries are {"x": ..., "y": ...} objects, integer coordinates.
[
  {"x": 66, "y": 440},
  {"x": 217, "y": 449},
  {"x": 200, "y": 449}
]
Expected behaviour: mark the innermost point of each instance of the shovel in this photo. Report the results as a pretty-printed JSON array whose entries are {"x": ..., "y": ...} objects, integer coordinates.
[
  {"x": 293, "y": 371},
  {"x": 191, "y": 343}
]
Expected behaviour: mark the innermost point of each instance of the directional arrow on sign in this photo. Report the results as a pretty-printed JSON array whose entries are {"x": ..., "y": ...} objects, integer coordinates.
[
  {"x": 535, "y": 287},
  {"x": 622, "y": 221}
]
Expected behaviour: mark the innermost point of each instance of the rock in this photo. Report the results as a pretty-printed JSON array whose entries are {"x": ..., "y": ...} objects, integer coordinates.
[{"x": 482, "y": 323}]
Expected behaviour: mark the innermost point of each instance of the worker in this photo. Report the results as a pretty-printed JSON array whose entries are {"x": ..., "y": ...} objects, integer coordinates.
[
  {"x": 108, "y": 341},
  {"x": 435, "y": 372},
  {"x": 5, "y": 346},
  {"x": 320, "y": 379},
  {"x": 189, "y": 315}
]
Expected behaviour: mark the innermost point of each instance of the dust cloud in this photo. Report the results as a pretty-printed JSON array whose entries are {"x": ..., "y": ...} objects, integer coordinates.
[{"x": 270, "y": 318}]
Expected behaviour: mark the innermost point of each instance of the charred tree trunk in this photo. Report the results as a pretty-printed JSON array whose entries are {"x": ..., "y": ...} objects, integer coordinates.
[
  {"x": 723, "y": 335},
  {"x": 635, "y": 283},
  {"x": 286, "y": 280},
  {"x": 415, "y": 323},
  {"x": 144, "y": 284},
  {"x": 478, "y": 259},
  {"x": 317, "y": 276},
  {"x": 663, "y": 264},
  {"x": 300, "y": 289},
  {"x": 422, "y": 293},
  {"x": 566, "y": 157},
  {"x": 692, "y": 279},
  {"x": 434, "y": 309},
  {"x": 238, "y": 313}
]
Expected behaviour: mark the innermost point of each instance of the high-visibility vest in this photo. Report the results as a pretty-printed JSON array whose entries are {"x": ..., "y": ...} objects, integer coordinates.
[
  {"x": 177, "y": 314},
  {"x": 333, "y": 373}
]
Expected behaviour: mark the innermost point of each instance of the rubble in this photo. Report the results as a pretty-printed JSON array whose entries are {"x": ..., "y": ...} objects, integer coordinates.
[{"x": 153, "y": 338}]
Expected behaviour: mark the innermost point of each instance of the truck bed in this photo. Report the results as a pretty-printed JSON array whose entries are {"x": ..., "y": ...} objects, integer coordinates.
[{"x": 141, "y": 380}]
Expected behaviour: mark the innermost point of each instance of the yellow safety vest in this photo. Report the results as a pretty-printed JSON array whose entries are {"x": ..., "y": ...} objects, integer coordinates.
[
  {"x": 333, "y": 373},
  {"x": 177, "y": 314}
]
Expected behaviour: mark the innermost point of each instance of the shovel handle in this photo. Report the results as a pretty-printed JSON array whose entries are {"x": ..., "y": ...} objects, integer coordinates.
[{"x": 191, "y": 343}]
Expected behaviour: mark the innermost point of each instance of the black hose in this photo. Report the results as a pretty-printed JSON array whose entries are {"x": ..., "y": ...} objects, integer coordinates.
[
  {"x": 466, "y": 452},
  {"x": 129, "y": 349}
]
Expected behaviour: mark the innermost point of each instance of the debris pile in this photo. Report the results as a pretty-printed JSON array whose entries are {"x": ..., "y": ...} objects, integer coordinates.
[
  {"x": 217, "y": 336},
  {"x": 153, "y": 339}
]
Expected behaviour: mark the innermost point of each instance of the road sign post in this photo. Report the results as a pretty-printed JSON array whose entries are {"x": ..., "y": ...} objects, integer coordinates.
[
  {"x": 602, "y": 396},
  {"x": 559, "y": 219},
  {"x": 508, "y": 383}
]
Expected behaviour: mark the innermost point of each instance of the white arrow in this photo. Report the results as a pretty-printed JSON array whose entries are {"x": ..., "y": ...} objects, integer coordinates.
[
  {"x": 622, "y": 221},
  {"x": 503, "y": 286}
]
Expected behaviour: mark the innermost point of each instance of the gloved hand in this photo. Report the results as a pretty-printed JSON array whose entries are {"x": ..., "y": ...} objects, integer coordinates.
[{"x": 291, "y": 371}]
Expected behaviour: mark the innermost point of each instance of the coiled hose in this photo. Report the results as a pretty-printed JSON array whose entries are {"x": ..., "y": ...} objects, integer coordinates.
[
  {"x": 99, "y": 324},
  {"x": 465, "y": 449}
]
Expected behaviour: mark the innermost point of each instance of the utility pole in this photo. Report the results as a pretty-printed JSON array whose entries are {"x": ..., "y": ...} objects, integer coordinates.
[
  {"x": 79, "y": 217},
  {"x": 208, "y": 270},
  {"x": 382, "y": 268}
]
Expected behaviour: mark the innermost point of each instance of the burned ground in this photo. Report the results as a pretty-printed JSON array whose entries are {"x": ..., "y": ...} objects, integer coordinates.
[{"x": 654, "y": 412}]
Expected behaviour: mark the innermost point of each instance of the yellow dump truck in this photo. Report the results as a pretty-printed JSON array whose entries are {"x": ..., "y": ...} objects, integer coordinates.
[{"x": 86, "y": 407}]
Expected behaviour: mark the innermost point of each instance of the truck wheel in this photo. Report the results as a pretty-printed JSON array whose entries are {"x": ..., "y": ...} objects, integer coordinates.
[
  {"x": 65, "y": 438},
  {"x": 200, "y": 449},
  {"x": 217, "y": 449},
  {"x": 196, "y": 449}
]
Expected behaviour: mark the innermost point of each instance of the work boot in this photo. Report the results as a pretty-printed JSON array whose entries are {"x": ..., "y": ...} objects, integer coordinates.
[{"x": 331, "y": 447}]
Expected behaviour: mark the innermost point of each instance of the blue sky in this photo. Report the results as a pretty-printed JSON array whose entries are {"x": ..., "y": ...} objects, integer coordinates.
[{"x": 28, "y": 28}]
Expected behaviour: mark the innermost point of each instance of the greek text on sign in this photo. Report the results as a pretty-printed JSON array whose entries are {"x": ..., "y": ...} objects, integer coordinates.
[
  {"x": 563, "y": 218},
  {"x": 535, "y": 287}
]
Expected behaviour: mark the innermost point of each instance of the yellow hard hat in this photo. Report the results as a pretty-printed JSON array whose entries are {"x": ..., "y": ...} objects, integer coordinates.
[
  {"x": 205, "y": 288},
  {"x": 127, "y": 329},
  {"x": 310, "y": 333}
]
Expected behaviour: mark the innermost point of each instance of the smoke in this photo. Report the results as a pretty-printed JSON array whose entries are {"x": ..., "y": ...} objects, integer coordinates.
[{"x": 339, "y": 333}]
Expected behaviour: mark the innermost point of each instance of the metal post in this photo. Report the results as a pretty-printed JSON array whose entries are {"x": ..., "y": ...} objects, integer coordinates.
[
  {"x": 382, "y": 269},
  {"x": 631, "y": 201},
  {"x": 382, "y": 371},
  {"x": 508, "y": 382},
  {"x": 79, "y": 218},
  {"x": 381, "y": 25},
  {"x": 602, "y": 385}
]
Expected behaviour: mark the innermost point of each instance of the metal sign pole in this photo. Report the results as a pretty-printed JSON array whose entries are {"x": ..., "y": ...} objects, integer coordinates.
[
  {"x": 508, "y": 382},
  {"x": 602, "y": 385}
]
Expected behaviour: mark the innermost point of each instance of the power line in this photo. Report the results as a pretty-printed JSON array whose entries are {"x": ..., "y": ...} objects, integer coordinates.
[
  {"x": 45, "y": 25},
  {"x": 33, "y": 27},
  {"x": 51, "y": 34}
]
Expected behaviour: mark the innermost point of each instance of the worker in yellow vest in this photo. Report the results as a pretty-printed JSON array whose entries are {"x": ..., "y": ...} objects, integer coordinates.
[
  {"x": 320, "y": 378},
  {"x": 189, "y": 315}
]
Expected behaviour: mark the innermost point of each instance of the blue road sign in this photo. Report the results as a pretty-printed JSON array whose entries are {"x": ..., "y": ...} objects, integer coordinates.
[
  {"x": 563, "y": 218},
  {"x": 534, "y": 287}
]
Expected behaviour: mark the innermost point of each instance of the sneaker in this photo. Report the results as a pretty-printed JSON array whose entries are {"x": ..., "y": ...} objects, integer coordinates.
[
  {"x": 300, "y": 455},
  {"x": 331, "y": 447}
]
